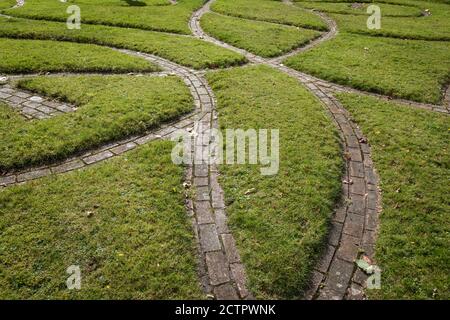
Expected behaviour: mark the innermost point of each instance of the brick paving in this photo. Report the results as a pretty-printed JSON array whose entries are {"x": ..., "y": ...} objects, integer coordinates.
[
  {"x": 31, "y": 105},
  {"x": 334, "y": 276},
  {"x": 220, "y": 269},
  {"x": 355, "y": 221}
]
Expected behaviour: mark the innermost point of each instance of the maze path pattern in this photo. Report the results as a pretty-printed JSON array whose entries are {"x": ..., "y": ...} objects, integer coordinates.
[
  {"x": 221, "y": 272},
  {"x": 354, "y": 223},
  {"x": 355, "y": 220}
]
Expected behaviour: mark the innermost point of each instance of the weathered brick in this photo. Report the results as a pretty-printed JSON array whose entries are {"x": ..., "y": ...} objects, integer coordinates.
[
  {"x": 209, "y": 239},
  {"x": 98, "y": 157},
  {"x": 221, "y": 221},
  {"x": 33, "y": 175},
  {"x": 355, "y": 154},
  {"x": 225, "y": 292},
  {"x": 326, "y": 258},
  {"x": 201, "y": 170},
  {"x": 146, "y": 138},
  {"x": 203, "y": 212},
  {"x": 315, "y": 281},
  {"x": 356, "y": 169},
  {"x": 217, "y": 199},
  {"x": 123, "y": 148},
  {"x": 371, "y": 219},
  {"x": 72, "y": 165},
  {"x": 230, "y": 248},
  {"x": 348, "y": 248},
  {"x": 4, "y": 95},
  {"x": 202, "y": 193},
  {"x": 354, "y": 225},
  {"x": 238, "y": 273},
  {"x": 201, "y": 181},
  {"x": 339, "y": 276},
  {"x": 335, "y": 233},
  {"x": 372, "y": 199},
  {"x": 358, "y": 186},
  {"x": 217, "y": 268},
  {"x": 340, "y": 214},
  {"x": 4, "y": 181},
  {"x": 355, "y": 292},
  {"x": 358, "y": 204}
]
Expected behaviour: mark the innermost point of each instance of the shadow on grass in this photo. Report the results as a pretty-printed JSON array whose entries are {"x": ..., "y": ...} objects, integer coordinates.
[{"x": 135, "y": 3}]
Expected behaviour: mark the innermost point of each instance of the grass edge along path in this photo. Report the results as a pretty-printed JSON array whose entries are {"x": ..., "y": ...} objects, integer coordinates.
[
  {"x": 262, "y": 38},
  {"x": 123, "y": 222},
  {"x": 53, "y": 56},
  {"x": 280, "y": 222},
  {"x": 103, "y": 115},
  {"x": 410, "y": 150},
  {"x": 185, "y": 50},
  {"x": 380, "y": 65}
]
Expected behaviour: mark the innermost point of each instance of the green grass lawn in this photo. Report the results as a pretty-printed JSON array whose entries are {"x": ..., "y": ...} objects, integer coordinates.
[
  {"x": 387, "y": 10},
  {"x": 410, "y": 149},
  {"x": 123, "y": 222},
  {"x": 410, "y": 69},
  {"x": 280, "y": 225},
  {"x": 4, "y": 4},
  {"x": 39, "y": 56},
  {"x": 269, "y": 10},
  {"x": 110, "y": 108},
  {"x": 434, "y": 27},
  {"x": 262, "y": 38},
  {"x": 154, "y": 15},
  {"x": 184, "y": 50}
]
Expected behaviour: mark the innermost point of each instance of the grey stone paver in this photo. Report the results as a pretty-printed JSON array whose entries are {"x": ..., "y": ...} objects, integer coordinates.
[{"x": 33, "y": 106}]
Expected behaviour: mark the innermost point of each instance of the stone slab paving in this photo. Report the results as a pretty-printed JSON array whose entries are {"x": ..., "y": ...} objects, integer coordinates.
[{"x": 31, "y": 105}]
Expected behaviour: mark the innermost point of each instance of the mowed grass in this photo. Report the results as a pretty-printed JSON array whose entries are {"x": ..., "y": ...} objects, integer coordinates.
[
  {"x": 39, "y": 56},
  {"x": 433, "y": 27},
  {"x": 280, "y": 222},
  {"x": 387, "y": 10},
  {"x": 410, "y": 149},
  {"x": 271, "y": 11},
  {"x": 110, "y": 108},
  {"x": 142, "y": 14},
  {"x": 262, "y": 38},
  {"x": 123, "y": 222},
  {"x": 4, "y": 4},
  {"x": 410, "y": 69},
  {"x": 184, "y": 50}
]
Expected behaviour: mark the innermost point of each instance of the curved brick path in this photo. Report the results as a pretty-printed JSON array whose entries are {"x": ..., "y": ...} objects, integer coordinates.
[
  {"x": 31, "y": 105},
  {"x": 222, "y": 273},
  {"x": 356, "y": 218}
]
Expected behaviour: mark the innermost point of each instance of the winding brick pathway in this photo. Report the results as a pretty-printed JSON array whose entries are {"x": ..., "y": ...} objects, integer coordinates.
[
  {"x": 354, "y": 223},
  {"x": 356, "y": 218},
  {"x": 33, "y": 106}
]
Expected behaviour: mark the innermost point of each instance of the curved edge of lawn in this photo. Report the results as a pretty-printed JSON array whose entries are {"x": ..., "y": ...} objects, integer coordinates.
[
  {"x": 52, "y": 56},
  {"x": 270, "y": 11},
  {"x": 109, "y": 108},
  {"x": 262, "y": 38},
  {"x": 280, "y": 222},
  {"x": 398, "y": 68},
  {"x": 410, "y": 149},
  {"x": 122, "y": 222},
  {"x": 185, "y": 50}
]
